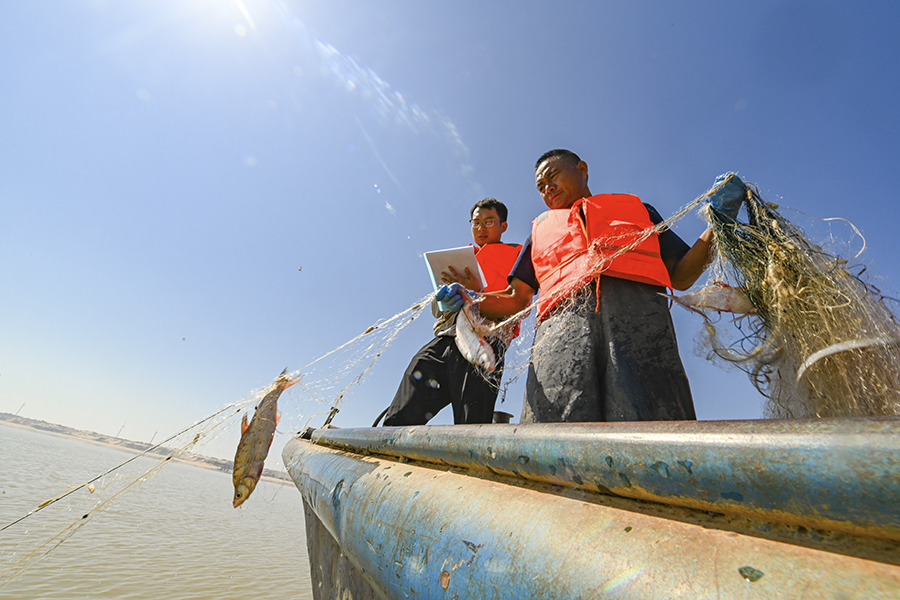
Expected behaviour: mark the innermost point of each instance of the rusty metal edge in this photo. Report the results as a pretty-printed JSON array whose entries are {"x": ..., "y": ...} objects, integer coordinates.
[
  {"x": 413, "y": 531},
  {"x": 839, "y": 475}
]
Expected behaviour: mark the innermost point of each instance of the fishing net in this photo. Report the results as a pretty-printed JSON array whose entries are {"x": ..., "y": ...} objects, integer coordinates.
[
  {"x": 38, "y": 530},
  {"x": 526, "y": 351},
  {"x": 30, "y": 531},
  {"x": 823, "y": 342}
]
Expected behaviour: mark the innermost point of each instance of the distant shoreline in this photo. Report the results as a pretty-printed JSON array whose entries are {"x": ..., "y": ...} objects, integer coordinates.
[{"x": 91, "y": 437}]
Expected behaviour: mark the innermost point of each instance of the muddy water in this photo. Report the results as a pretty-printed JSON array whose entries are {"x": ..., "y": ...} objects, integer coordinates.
[{"x": 173, "y": 536}]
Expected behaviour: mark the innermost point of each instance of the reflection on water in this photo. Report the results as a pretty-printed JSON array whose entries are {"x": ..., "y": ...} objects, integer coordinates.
[{"x": 174, "y": 536}]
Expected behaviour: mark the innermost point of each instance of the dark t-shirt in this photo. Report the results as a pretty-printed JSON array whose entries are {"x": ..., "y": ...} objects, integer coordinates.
[{"x": 670, "y": 246}]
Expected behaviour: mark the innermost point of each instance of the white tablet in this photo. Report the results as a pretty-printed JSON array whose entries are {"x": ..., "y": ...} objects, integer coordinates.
[{"x": 458, "y": 258}]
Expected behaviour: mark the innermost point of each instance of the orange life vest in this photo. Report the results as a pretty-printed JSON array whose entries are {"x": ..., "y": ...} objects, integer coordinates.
[
  {"x": 567, "y": 252},
  {"x": 496, "y": 261}
]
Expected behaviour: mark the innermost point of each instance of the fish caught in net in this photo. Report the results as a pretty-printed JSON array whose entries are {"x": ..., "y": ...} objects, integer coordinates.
[{"x": 816, "y": 340}]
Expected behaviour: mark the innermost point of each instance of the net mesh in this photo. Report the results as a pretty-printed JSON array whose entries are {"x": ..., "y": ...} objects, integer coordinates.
[
  {"x": 823, "y": 342},
  {"x": 325, "y": 383}
]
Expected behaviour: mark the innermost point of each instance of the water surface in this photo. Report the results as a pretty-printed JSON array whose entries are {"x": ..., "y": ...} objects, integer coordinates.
[{"x": 174, "y": 535}]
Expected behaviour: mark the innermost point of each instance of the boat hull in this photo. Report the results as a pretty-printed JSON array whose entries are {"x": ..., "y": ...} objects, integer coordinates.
[{"x": 534, "y": 511}]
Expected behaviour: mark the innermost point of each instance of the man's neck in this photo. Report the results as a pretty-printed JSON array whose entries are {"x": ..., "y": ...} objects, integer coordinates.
[{"x": 487, "y": 244}]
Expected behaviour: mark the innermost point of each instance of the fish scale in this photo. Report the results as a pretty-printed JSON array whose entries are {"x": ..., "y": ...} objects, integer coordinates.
[
  {"x": 718, "y": 297},
  {"x": 256, "y": 439},
  {"x": 470, "y": 340}
]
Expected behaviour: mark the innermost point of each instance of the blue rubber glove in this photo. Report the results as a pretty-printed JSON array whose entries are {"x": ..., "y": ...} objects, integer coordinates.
[
  {"x": 452, "y": 297},
  {"x": 728, "y": 198}
]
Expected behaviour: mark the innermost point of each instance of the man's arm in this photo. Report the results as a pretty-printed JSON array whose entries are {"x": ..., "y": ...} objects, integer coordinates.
[
  {"x": 725, "y": 197},
  {"x": 498, "y": 306},
  {"x": 685, "y": 271}
]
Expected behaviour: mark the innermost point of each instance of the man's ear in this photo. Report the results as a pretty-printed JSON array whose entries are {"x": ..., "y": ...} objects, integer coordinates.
[
  {"x": 503, "y": 226},
  {"x": 583, "y": 169}
]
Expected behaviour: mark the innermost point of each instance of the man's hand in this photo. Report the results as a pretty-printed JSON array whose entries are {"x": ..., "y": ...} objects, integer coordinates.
[
  {"x": 467, "y": 280},
  {"x": 453, "y": 297},
  {"x": 730, "y": 194}
]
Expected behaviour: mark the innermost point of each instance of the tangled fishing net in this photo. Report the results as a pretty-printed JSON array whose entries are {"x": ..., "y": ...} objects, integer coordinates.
[{"x": 822, "y": 343}]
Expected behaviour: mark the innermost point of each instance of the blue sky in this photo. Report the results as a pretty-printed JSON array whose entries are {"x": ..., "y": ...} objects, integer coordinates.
[{"x": 167, "y": 169}]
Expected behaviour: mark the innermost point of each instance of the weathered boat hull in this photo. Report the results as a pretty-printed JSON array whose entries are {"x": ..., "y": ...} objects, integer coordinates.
[{"x": 624, "y": 510}]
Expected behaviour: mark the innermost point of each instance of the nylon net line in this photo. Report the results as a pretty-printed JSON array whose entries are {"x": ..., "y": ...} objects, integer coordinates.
[
  {"x": 42, "y": 525},
  {"x": 823, "y": 342},
  {"x": 328, "y": 381},
  {"x": 524, "y": 351}
]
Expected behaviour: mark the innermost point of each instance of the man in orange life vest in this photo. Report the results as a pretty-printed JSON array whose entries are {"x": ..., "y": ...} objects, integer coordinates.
[
  {"x": 604, "y": 347},
  {"x": 438, "y": 374}
]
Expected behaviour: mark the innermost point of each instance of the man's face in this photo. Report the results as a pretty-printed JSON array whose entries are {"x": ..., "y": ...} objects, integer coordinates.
[
  {"x": 561, "y": 183},
  {"x": 486, "y": 226}
]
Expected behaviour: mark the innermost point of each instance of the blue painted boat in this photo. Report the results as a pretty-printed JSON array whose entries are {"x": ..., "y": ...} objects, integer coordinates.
[{"x": 743, "y": 509}]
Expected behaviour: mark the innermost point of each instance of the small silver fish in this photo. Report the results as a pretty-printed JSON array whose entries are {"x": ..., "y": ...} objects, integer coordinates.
[
  {"x": 470, "y": 340},
  {"x": 256, "y": 439},
  {"x": 718, "y": 297}
]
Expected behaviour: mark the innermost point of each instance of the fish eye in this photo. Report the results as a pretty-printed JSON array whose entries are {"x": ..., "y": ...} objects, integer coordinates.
[{"x": 237, "y": 494}]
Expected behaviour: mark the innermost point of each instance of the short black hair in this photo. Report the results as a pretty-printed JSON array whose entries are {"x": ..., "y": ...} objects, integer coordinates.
[
  {"x": 491, "y": 203},
  {"x": 568, "y": 155}
]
